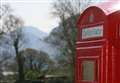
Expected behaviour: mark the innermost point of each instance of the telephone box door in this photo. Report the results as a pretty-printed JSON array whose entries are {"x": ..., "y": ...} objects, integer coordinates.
[{"x": 89, "y": 64}]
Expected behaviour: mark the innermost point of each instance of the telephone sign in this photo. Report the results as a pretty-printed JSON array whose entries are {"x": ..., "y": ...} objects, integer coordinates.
[
  {"x": 98, "y": 46},
  {"x": 92, "y": 32}
]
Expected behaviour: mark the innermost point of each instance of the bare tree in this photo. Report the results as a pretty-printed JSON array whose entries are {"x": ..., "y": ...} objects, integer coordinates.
[
  {"x": 9, "y": 22},
  {"x": 5, "y": 56},
  {"x": 12, "y": 24},
  {"x": 68, "y": 11},
  {"x": 36, "y": 60},
  {"x": 68, "y": 8}
]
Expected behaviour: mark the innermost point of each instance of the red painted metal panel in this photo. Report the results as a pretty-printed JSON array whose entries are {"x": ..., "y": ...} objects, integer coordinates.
[
  {"x": 93, "y": 52},
  {"x": 114, "y": 46},
  {"x": 84, "y": 21},
  {"x": 91, "y": 13},
  {"x": 109, "y": 6},
  {"x": 103, "y": 49}
]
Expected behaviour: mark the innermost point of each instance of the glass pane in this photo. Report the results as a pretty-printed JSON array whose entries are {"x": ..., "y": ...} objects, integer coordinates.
[
  {"x": 92, "y": 32},
  {"x": 88, "y": 70}
]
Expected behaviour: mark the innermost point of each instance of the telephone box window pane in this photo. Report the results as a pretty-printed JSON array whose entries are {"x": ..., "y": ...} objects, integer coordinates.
[{"x": 88, "y": 70}]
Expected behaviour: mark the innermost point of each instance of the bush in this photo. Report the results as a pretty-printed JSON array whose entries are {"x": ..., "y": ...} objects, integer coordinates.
[{"x": 32, "y": 75}]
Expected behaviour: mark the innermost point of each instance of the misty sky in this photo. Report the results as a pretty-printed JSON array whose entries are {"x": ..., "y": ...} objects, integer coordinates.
[{"x": 36, "y": 13}]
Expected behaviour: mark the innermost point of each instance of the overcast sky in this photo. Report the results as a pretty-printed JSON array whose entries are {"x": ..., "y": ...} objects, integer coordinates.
[{"x": 35, "y": 13}]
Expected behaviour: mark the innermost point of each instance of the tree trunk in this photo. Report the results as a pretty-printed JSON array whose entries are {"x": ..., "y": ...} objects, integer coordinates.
[
  {"x": 20, "y": 68},
  {"x": 20, "y": 62}
]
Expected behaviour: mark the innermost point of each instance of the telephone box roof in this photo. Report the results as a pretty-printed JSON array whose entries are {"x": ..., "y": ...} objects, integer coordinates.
[
  {"x": 100, "y": 11},
  {"x": 109, "y": 7}
]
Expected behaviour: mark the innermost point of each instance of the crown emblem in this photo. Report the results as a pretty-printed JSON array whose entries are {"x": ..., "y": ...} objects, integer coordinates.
[{"x": 91, "y": 18}]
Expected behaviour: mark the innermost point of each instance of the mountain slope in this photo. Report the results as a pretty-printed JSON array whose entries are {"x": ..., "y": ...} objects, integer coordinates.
[
  {"x": 31, "y": 38},
  {"x": 35, "y": 39}
]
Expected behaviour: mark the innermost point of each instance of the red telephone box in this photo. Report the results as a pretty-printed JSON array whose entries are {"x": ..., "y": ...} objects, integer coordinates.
[{"x": 98, "y": 45}]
